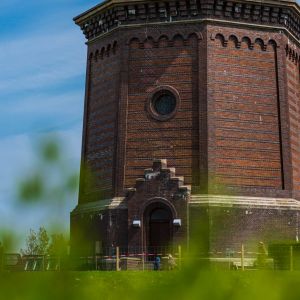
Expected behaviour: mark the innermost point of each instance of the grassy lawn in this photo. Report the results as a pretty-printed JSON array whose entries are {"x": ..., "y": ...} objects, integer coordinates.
[{"x": 187, "y": 284}]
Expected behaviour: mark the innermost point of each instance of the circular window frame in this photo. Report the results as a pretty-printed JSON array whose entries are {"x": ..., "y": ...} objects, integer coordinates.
[{"x": 154, "y": 95}]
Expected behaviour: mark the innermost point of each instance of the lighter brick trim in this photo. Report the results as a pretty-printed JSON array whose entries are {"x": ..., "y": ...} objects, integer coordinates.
[
  {"x": 97, "y": 206},
  {"x": 245, "y": 202}
]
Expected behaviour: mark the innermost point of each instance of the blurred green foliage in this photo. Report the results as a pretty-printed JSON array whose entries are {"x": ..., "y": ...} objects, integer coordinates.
[
  {"x": 58, "y": 245},
  {"x": 9, "y": 239},
  {"x": 188, "y": 284},
  {"x": 51, "y": 179},
  {"x": 32, "y": 188},
  {"x": 48, "y": 185},
  {"x": 50, "y": 151},
  {"x": 192, "y": 282},
  {"x": 72, "y": 182}
]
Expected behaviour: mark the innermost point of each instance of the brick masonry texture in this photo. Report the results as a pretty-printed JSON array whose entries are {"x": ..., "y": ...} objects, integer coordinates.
[
  {"x": 171, "y": 63},
  {"x": 236, "y": 130},
  {"x": 293, "y": 91},
  {"x": 101, "y": 111},
  {"x": 244, "y": 135},
  {"x": 221, "y": 229},
  {"x": 231, "y": 126},
  {"x": 164, "y": 190}
]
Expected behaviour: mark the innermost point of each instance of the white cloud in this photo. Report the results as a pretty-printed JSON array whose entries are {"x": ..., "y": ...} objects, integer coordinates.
[
  {"x": 41, "y": 79},
  {"x": 40, "y": 60},
  {"x": 69, "y": 103}
]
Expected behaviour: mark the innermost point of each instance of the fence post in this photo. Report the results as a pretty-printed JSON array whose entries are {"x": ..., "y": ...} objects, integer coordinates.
[
  {"x": 242, "y": 257},
  {"x": 291, "y": 258},
  {"x": 179, "y": 257},
  {"x": 117, "y": 259},
  {"x": 143, "y": 261}
]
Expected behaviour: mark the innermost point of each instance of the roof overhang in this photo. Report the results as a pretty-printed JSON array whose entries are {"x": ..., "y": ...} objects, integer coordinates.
[
  {"x": 109, "y": 3},
  {"x": 103, "y": 6}
]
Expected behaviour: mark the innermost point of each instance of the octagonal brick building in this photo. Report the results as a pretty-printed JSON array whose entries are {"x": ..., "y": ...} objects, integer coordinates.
[{"x": 191, "y": 125}]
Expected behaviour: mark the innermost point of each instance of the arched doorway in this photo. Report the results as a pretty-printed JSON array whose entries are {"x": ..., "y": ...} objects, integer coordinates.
[{"x": 159, "y": 230}]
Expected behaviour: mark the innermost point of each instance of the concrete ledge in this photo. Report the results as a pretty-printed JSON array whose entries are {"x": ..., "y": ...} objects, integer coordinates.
[
  {"x": 245, "y": 202},
  {"x": 113, "y": 203}
]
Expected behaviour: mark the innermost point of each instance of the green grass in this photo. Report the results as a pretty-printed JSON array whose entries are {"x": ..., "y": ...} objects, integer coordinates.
[{"x": 187, "y": 284}]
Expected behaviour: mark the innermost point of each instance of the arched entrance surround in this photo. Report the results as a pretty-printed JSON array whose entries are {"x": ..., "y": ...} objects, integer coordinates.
[{"x": 158, "y": 226}]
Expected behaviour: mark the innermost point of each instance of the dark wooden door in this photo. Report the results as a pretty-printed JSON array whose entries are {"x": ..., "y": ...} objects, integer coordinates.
[{"x": 159, "y": 233}]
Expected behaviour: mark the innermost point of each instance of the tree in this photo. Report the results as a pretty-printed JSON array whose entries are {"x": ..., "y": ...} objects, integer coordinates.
[
  {"x": 43, "y": 241},
  {"x": 31, "y": 244},
  {"x": 37, "y": 243}
]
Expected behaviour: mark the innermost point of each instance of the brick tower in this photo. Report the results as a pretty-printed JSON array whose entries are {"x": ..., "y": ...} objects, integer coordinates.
[{"x": 191, "y": 124}]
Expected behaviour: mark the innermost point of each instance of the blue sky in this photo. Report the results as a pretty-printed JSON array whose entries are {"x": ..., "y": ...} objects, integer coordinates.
[{"x": 42, "y": 79}]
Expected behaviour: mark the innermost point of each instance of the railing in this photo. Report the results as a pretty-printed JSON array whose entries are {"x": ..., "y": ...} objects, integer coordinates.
[
  {"x": 281, "y": 256},
  {"x": 132, "y": 258},
  {"x": 16, "y": 262}
]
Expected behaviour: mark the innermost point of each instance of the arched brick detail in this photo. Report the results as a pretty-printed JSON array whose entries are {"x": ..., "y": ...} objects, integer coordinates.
[{"x": 155, "y": 200}]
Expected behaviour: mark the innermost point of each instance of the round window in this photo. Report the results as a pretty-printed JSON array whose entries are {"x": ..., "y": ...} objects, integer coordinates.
[{"x": 163, "y": 103}]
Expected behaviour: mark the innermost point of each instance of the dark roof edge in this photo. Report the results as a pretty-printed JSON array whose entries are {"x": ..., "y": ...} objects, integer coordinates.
[
  {"x": 100, "y": 6},
  {"x": 107, "y": 3},
  {"x": 96, "y": 7}
]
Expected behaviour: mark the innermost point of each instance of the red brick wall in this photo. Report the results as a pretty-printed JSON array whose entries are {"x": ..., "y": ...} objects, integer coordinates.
[
  {"x": 227, "y": 123},
  {"x": 101, "y": 115},
  {"x": 293, "y": 89},
  {"x": 153, "y": 64},
  {"x": 232, "y": 104},
  {"x": 231, "y": 227},
  {"x": 219, "y": 229},
  {"x": 243, "y": 131}
]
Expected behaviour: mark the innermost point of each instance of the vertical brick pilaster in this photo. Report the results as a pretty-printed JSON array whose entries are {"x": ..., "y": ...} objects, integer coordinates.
[{"x": 122, "y": 120}]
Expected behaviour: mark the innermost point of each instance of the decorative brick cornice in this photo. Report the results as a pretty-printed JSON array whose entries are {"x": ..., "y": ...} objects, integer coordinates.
[
  {"x": 113, "y": 14},
  {"x": 160, "y": 173},
  {"x": 250, "y": 40}
]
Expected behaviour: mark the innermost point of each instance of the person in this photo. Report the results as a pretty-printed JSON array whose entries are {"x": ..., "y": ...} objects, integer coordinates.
[
  {"x": 171, "y": 262},
  {"x": 156, "y": 263},
  {"x": 112, "y": 249}
]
